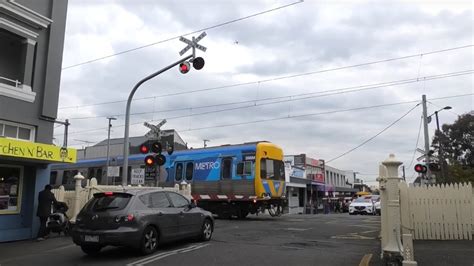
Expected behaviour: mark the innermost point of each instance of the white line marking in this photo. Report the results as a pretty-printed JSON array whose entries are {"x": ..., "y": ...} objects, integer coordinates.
[
  {"x": 61, "y": 248},
  {"x": 165, "y": 254}
]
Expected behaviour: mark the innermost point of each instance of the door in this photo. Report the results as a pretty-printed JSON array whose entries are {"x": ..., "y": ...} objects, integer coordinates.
[
  {"x": 189, "y": 218},
  {"x": 164, "y": 214}
]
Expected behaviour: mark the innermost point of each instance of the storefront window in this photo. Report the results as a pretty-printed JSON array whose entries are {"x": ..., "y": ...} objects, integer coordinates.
[{"x": 10, "y": 185}]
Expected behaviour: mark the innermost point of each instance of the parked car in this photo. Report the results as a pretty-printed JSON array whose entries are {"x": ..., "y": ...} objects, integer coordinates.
[
  {"x": 140, "y": 219},
  {"x": 377, "y": 206},
  {"x": 362, "y": 205}
]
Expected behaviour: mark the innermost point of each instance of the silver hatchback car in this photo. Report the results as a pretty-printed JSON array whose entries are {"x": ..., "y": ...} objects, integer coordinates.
[{"x": 139, "y": 219}]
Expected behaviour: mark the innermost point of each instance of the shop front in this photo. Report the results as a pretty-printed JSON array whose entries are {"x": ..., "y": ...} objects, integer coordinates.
[{"x": 24, "y": 172}]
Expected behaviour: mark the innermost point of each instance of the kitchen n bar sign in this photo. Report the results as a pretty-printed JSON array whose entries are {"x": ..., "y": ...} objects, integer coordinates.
[{"x": 36, "y": 151}]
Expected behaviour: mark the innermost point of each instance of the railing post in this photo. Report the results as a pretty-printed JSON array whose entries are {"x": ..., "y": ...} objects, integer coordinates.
[
  {"x": 392, "y": 250},
  {"x": 408, "y": 252},
  {"x": 77, "y": 195}
]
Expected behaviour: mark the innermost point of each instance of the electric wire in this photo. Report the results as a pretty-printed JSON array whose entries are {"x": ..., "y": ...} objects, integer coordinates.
[
  {"x": 373, "y": 137},
  {"x": 280, "y": 118},
  {"x": 186, "y": 34},
  {"x": 271, "y": 79},
  {"x": 291, "y": 97}
]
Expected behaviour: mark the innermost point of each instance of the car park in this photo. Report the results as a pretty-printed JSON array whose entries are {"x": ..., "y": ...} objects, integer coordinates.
[
  {"x": 140, "y": 219},
  {"x": 362, "y": 205}
]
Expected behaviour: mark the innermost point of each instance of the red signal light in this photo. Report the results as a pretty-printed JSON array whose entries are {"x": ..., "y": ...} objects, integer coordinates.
[
  {"x": 420, "y": 168},
  {"x": 144, "y": 149},
  {"x": 184, "y": 67},
  {"x": 149, "y": 160}
]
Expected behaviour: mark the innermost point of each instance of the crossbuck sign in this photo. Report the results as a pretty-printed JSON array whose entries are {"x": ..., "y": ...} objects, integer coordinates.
[
  {"x": 154, "y": 132},
  {"x": 193, "y": 44}
]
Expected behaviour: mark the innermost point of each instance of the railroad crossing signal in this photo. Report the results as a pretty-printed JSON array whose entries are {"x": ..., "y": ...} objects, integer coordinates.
[
  {"x": 421, "y": 168},
  {"x": 198, "y": 62},
  {"x": 154, "y": 132}
]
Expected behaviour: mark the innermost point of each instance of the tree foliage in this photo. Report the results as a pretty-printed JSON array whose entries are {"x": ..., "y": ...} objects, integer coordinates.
[{"x": 457, "y": 149}]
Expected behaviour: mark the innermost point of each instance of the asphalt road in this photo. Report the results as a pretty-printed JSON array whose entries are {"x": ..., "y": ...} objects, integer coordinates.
[{"x": 336, "y": 239}]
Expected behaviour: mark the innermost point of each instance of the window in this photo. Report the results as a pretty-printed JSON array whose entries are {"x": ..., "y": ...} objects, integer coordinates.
[
  {"x": 116, "y": 201},
  {"x": 179, "y": 172},
  {"x": 244, "y": 168},
  {"x": 53, "y": 177},
  {"x": 155, "y": 200},
  {"x": 10, "y": 188},
  {"x": 16, "y": 131},
  {"x": 68, "y": 177},
  {"x": 272, "y": 169},
  {"x": 189, "y": 171},
  {"x": 177, "y": 200},
  {"x": 226, "y": 168}
]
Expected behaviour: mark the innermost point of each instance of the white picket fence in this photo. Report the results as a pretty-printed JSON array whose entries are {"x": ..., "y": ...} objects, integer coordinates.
[
  {"x": 86, "y": 193},
  {"x": 437, "y": 212}
]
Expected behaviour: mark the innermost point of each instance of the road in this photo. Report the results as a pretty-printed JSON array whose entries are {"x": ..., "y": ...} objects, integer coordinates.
[{"x": 336, "y": 239}]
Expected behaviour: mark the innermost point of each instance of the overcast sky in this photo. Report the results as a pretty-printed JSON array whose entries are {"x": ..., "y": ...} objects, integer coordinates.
[{"x": 254, "y": 54}]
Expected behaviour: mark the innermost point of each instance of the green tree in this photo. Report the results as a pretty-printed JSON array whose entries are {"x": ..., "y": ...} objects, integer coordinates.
[{"x": 457, "y": 149}]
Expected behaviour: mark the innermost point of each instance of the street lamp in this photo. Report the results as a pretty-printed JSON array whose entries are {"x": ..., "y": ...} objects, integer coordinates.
[
  {"x": 440, "y": 155},
  {"x": 108, "y": 147}
]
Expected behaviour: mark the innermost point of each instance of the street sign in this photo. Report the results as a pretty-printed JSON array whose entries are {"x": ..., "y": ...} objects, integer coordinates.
[
  {"x": 138, "y": 176},
  {"x": 113, "y": 171},
  {"x": 193, "y": 43},
  {"x": 150, "y": 173}
]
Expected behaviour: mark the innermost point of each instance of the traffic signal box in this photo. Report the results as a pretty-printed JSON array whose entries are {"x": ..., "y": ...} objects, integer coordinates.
[
  {"x": 156, "y": 158},
  {"x": 421, "y": 168}
]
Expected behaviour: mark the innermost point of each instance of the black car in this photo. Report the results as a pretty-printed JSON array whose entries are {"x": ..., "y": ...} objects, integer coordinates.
[{"x": 140, "y": 219}]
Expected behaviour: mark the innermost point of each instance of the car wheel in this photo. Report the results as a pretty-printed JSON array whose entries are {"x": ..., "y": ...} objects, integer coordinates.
[
  {"x": 91, "y": 249},
  {"x": 206, "y": 230},
  {"x": 149, "y": 241}
]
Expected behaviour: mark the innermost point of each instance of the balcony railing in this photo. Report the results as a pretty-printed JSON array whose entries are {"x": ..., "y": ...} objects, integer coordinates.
[{"x": 15, "y": 82}]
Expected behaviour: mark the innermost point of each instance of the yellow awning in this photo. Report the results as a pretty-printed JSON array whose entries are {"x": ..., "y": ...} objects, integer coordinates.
[{"x": 36, "y": 151}]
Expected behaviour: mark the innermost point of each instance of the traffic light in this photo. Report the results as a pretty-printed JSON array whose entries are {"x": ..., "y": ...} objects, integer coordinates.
[
  {"x": 156, "y": 147},
  {"x": 420, "y": 168},
  {"x": 184, "y": 67},
  {"x": 198, "y": 63},
  {"x": 160, "y": 159},
  {"x": 144, "y": 149},
  {"x": 150, "y": 160}
]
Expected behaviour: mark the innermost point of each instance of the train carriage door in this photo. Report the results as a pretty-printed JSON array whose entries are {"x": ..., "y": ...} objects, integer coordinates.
[{"x": 226, "y": 176}]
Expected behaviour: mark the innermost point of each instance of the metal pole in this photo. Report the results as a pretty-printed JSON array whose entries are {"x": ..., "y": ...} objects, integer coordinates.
[
  {"x": 426, "y": 137},
  {"x": 108, "y": 147},
  {"x": 440, "y": 155},
  {"x": 127, "y": 116},
  {"x": 66, "y": 127}
]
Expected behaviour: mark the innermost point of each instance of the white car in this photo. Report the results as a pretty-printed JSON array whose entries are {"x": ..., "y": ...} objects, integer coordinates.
[
  {"x": 377, "y": 207},
  {"x": 362, "y": 205}
]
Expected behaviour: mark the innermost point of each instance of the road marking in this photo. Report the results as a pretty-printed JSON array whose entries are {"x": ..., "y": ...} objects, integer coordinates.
[
  {"x": 166, "y": 254},
  {"x": 297, "y": 229},
  {"x": 365, "y": 260},
  {"x": 352, "y": 236},
  {"x": 61, "y": 248}
]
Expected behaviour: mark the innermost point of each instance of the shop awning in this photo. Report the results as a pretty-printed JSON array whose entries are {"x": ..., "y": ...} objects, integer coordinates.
[{"x": 37, "y": 152}]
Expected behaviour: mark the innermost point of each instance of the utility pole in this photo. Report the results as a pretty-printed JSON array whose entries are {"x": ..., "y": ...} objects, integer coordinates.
[
  {"x": 427, "y": 140},
  {"x": 108, "y": 147}
]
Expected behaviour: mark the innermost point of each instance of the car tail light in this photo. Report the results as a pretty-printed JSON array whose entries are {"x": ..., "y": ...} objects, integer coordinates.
[
  {"x": 125, "y": 218},
  {"x": 109, "y": 193},
  {"x": 254, "y": 201}
]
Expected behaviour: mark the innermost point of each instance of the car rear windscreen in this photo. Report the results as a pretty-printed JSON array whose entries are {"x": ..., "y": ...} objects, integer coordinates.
[{"x": 116, "y": 201}]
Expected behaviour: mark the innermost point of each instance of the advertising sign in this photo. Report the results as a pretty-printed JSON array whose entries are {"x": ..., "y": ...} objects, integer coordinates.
[{"x": 37, "y": 151}]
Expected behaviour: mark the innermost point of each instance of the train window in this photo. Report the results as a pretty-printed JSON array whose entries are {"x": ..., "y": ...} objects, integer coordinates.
[
  {"x": 99, "y": 175},
  {"x": 68, "y": 176},
  {"x": 244, "y": 168},
  {"x": 179, "y": 172},
  {"x": 189, "y": 171},
  {"x": 226, "y": 168},
  {"x": 272, "y": 169}
]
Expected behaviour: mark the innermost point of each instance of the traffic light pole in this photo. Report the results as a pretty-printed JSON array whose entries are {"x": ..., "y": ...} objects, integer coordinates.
[
  {"x": 426, "y": 137},
  {"x": 127, "y": 116}
]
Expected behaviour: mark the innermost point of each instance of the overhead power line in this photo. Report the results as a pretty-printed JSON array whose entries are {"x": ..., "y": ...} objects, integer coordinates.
[
  {"x": 279, "y": 118},
  {"x": 186, "y": 34},
  {"x": 291, "y": 98},
  {"x": 373, "y": 137},
  {"x": 271, "y": 79}
]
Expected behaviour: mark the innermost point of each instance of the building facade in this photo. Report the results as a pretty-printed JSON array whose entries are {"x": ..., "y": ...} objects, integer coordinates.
[{"x": 31, "y": 48}]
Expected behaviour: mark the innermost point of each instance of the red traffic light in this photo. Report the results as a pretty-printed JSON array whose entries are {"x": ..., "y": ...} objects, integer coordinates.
[
  {"x": 144, "y": 149},
  {"x": 198, "y": 63},
  {"x": 184, "y": 67},
  {"x": 420, "y": 168},
  {"x": 149, "y": 160},
  {"x": 156, "y": 147},
  {"x": 160, "y": 159}
]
